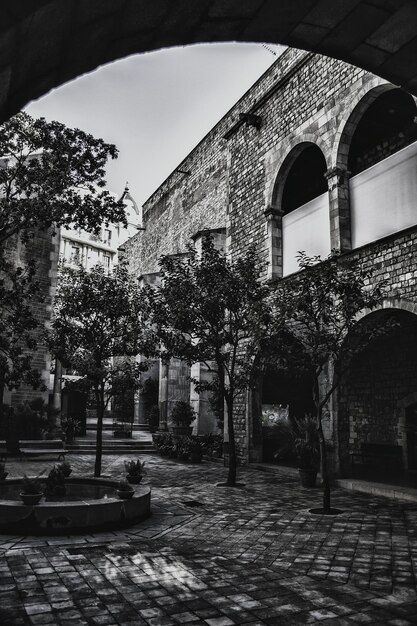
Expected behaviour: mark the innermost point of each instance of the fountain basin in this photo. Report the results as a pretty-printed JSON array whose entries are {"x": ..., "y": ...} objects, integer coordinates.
[{"x": 97, "y": 508}]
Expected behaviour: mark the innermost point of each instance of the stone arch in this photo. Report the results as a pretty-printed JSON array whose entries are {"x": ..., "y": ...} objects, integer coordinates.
[
  {"x": 356, "y": 105},
  {"x": 58, "y": 40},
  {"x": 300, "y": 211},
  {"x": 374, "y": 397},
  {"x": 280, "y": 161},
  {"x": 350, "y": 151}
]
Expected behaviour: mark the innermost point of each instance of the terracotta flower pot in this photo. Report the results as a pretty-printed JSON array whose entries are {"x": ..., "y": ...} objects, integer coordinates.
[
  {"x": 125, "y": 495},
  {"x": 31, "y": 498}
]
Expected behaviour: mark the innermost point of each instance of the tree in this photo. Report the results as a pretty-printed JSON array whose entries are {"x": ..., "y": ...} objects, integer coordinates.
[
  {"x": 98, "y": 329},
  {"x": 17, "y": 323},
  {"x": 214, "y": 311},
  {"x": 50, "y": 176},
  {"x": 317, "y": 314}
]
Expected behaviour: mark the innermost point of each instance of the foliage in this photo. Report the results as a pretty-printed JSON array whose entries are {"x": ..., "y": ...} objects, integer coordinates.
[
  {"x": 212, "y": 310},
  {"x": 53, "y": 175},
  {"x": 316, "y": 313},
  {"x": 123, "y": 485},
  {"x": 182, "y": 414},
  {"x": 70, "y": 426},
  {"x": 50, "y": 176},
  {"x": 55, "y": 481},
  {"x": 165, "y": 444},
  {"x": 301, "y": 437},
  {"x": 135, "y": 468},
  {"x": 18, "y": 291},
  {"x": 31, "y": 486},
  {"x": 212, "y": 444},
  {"x": 98, "y": 329}
]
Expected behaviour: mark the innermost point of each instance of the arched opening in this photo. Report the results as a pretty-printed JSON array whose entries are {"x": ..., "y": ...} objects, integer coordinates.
[
  {"x": 382, "y": 160},
  {"x": 301, "y": 194},
  {"x": 377, "y": 399},
  {"x": 284, "y": 398},
  {"x": 386, "y": 127},
  {"x": 57, "y": 41},
  {"x": 305, "y": 180}
]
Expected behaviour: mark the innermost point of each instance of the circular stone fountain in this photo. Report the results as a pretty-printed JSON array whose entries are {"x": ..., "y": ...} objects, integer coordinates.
[{"x": 91, "y": 504}]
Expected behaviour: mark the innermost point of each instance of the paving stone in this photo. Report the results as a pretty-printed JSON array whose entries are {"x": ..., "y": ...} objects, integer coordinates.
[{"x": 247, "y": 556}]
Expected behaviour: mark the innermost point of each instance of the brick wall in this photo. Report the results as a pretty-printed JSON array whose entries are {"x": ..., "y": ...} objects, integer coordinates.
[{"x": 236, "y": 174}]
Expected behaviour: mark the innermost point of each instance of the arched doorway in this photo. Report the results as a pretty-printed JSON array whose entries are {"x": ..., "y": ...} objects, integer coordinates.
[
  {"x": 301, "y": 195},
  {"x": 284, "y": 397},
  {"x": 377, "y": 400}
]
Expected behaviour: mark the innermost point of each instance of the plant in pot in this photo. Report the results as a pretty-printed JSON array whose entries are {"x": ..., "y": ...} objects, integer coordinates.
[
  {"x": 134, "y": 471},
  {"x": 70, "y": 426},
  {"x": 124, "y": 490},
  {"x": 3, "y": 473},
  {"x": 182, "y": 416},
  {"x": 55, "y": 482},
  {"x": 301, "y": 437},
  {"x": 31, "y": 490}
]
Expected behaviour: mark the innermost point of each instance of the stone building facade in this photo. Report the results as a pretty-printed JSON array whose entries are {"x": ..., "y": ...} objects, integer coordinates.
[{"x": 317, "y": 156}]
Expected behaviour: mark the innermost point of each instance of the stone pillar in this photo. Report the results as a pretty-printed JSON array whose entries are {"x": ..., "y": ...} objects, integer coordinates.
[
  {"x": 163, "y": 394},
  {"x": 206, "y": 421},
  {"x": 273, "y": 241},
  {"x": 56, "y": 393},
  {"x": 339, "y": 206}
]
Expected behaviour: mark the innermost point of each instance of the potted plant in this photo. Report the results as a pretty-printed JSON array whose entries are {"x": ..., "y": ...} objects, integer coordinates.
[
  {"x": 182, "y": 416},
  {"x": 31, "y": 490},
  {"x": 301, "y": 437},
  {"x": 3, "y": 472},
  {"x": 124, "y": 490},
  {"x": 134, "y": 471},
  {"x": 55, "y": 482},
  {"x": 70, "y": 426}
]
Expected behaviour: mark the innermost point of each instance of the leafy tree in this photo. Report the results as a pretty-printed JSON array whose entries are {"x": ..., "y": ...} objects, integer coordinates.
[
  {"x": 17, "y": 324},
  {"x": 214, "y": 311},
  {"x": 52, "y": 175},
  {"x": 316, "y": 311},
  {"x": 98, "y": 329}
]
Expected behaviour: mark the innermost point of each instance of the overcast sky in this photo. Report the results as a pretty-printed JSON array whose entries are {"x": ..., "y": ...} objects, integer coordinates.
[{"x": 156, "y": 107}]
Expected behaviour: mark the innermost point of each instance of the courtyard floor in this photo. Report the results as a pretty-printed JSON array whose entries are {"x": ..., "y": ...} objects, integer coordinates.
[{"x": 218, "y": 556}]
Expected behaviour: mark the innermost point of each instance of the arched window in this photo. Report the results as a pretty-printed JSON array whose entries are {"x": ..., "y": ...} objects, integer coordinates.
[
  {"x": 301, "y": 194},
  {"x": 382, "y": 161}
]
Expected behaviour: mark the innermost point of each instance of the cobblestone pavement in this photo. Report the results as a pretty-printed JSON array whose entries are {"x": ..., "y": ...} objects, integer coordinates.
[{"x": 218, "y": 556}]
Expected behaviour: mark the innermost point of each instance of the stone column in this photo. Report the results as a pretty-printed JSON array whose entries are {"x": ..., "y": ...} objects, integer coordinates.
[
  {"x": 163, "y": 394},
  {"x": 273, "y": 242},
  {"x": 339, "y": 206}
]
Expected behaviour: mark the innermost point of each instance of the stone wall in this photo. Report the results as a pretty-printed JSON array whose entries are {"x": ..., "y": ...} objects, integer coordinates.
[{"x": 235, "y": 176}]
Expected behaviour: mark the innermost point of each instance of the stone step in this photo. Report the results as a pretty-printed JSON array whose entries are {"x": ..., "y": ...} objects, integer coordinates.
[{"x": 139, "y": 449}]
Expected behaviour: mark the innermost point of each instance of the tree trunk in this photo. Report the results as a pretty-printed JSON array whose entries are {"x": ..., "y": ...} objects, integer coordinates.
[
  {"x": 231, "y": 476},
  {"x": 323, "y": 451},
  {"x": 99, "y": 438}
]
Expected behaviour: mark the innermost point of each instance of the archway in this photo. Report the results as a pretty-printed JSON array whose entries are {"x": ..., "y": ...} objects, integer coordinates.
[
  {"x": 377, "y": 398},
  {"x": 378, "y": 149},
  {"x": 284, "y": 397},
  {"x": 47, "y": 43},
  {"x": 301, "y": 195}
]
